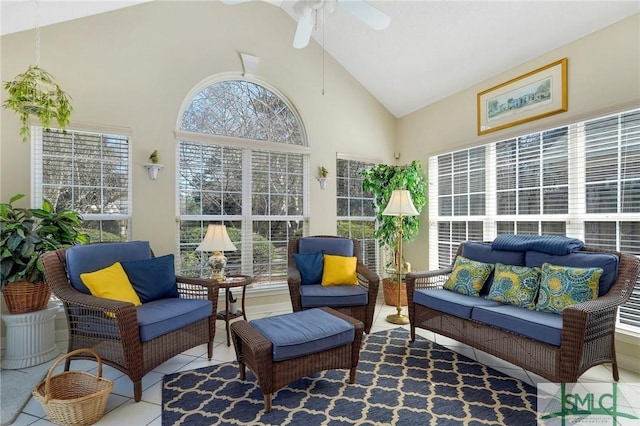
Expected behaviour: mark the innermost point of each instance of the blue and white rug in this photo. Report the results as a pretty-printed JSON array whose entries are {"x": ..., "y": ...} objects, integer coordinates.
[{"x": 398, "y": 383}]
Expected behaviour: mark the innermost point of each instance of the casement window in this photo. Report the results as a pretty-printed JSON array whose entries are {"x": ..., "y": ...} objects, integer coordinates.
[
  {"x": 242, "y": 162},
  {"x": 86, "y": 171},
  {"x": 581, "y": 180},
  {"x": 355, "y": 209}
]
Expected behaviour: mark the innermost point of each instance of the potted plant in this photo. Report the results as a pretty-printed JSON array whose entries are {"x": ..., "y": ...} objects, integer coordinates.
[
  {"x": 26, "y": 233},
  {"x": 35, "y": 93},
  {"x": 382, "y": 180}
]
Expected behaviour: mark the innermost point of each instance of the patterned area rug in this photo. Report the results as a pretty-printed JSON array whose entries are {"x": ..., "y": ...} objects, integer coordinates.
[{"x": 398, "y": 383}]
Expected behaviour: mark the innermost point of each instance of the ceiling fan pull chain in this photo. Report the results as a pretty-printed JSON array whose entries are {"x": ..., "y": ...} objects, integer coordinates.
[
  {"x": 323, "y": 53},
  {"x": 36, "y": 4}
]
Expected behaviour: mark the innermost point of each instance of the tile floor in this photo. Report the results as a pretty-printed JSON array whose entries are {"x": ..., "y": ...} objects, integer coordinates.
[{"x": 122, "y": 410}]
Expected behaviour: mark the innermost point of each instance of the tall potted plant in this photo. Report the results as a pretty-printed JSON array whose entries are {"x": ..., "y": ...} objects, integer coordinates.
[
  {"x": 382, "y": 180},
  {"x": 25, "y": 234}
]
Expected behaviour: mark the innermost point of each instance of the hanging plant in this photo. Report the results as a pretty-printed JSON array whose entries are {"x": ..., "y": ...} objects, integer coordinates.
[{"x": 35, "y": 93}]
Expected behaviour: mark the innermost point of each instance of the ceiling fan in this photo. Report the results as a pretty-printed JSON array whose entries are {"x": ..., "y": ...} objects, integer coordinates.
[{"x": 307, "y": 11}]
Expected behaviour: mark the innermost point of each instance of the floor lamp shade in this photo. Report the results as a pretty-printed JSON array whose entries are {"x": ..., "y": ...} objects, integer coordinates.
[
  {"x": 400, "y": 205},
  {"x": 216, "y": 240}
]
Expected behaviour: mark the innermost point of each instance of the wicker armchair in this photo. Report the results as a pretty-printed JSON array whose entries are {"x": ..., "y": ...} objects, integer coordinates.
[
  {"x": 369, "y": 282},
  {"x": 588, "y": 328},
  {"x": 112, "y": 329}
]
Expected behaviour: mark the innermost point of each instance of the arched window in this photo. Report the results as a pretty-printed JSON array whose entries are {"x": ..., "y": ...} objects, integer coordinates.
[{"x": 243, "y": 162}]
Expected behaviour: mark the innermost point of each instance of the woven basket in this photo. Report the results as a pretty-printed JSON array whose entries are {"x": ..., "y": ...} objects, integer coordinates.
[
  {"x": 390, "y": 287},
  {"x": 74, "y": 397},
  {"x": 23, "y": 296}
]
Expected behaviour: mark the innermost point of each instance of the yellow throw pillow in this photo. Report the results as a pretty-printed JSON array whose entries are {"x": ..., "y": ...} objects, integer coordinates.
[
  {"x": 339, "y": 270},
  {"x": 111, "y": 283}
]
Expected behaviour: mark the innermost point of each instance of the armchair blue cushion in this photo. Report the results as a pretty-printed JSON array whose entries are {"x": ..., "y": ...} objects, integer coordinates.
[
  {"x": 91, "y": 257},
  {"x": 310, "y": 266},
  {"x": 335, "y": 246},
  {"x": 152, "y": 279}
]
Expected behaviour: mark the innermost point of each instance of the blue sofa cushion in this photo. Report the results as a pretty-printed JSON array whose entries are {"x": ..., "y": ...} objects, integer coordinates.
[
  {"x": 303, "y": 333},
  {"x": 152, "y": 279},
  {"x": 542, "y": 326},
  {"x": 166, "y": 315},
  {"x": 335, "y": 246},
  {"x": 483, "y": 252},
  {"x": 310, "y": 266},
  {"x": 450, "y": 302},
  {"x": 92, "y": 257},
  {"x": 608, "y": 262},
  {"x": 313, "y": 296}
]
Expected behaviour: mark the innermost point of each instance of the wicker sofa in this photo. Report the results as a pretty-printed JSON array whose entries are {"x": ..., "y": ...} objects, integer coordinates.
[{"x": 560, "y": 347}]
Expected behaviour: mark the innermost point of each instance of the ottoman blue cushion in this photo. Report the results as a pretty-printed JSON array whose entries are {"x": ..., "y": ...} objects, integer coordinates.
[{"x": 303, "y": 333}]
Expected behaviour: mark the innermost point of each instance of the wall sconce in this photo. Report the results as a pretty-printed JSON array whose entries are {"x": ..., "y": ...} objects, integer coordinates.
[
  {"x": 323, "y": 179},
  {"x": 153, "y": 169}
]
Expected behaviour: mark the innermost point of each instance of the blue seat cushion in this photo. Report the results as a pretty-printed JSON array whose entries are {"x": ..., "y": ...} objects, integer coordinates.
[
  {"x": 313, "y": 296},
  {"x": 608, "y": 263},
  {"x": 542, "y": 326},
  {"x": 450, "y": 302},
  {"x": 303, "y": 333},
  {"x": 152, "y": 279},
  {"x": 92, "y": 257},
  {"x": 335, "y": 246},
  {"x": 166, "y": 315},
  {"x": 483, "y": 252}
]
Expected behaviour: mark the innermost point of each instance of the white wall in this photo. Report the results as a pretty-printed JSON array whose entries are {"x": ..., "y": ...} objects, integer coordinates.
[
  {"x": 603, "y": 76},
  {"x": 132, "y": 69}
]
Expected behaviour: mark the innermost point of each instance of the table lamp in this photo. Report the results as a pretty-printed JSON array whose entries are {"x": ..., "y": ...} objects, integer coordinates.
[
  {"x": 400, "y": 205},
  {"x": 216, "y": 240}
]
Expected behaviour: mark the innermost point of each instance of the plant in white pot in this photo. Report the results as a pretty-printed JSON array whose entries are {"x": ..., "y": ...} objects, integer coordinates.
[
  {"x": 382, "y": 180},
  {"x": 35, "y": 93},
  {"x": 25, "y": 234}
]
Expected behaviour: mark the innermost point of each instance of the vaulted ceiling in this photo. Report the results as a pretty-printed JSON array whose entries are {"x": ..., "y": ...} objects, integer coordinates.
[{"x": 431, "y": 50}]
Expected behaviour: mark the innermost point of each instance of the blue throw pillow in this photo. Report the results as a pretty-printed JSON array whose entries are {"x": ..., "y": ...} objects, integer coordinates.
[
  {"x": 152, "y": 279},
  {"x": 310, "y": 266}
]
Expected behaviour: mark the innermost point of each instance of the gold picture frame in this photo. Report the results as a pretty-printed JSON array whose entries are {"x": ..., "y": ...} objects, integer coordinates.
[{"x": 536, "y": 94}]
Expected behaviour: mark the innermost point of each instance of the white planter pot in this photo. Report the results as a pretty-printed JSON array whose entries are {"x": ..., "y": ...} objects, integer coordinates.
[{"x": 31, "y": 338}]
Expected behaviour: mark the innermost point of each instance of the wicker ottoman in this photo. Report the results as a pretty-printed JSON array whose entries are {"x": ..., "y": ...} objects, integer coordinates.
[{"x": 305, "y": 344}]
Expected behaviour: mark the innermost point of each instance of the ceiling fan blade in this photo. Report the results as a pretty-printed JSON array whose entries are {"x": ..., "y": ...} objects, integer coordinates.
[
  {"x": 366, "y": 13},
  {"x": 303, "y": 31}
]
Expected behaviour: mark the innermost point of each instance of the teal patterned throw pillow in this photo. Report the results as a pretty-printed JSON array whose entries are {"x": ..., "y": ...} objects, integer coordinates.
[
  {"x": 562, "y": 286},
  {"x": 515, "y": 285},
  {"x": 468, "y": 276}
]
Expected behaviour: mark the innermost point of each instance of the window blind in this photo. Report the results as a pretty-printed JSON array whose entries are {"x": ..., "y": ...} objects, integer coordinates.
[
  {"x": 580, "y": 180},
  {"x": 88, "y": 172}
]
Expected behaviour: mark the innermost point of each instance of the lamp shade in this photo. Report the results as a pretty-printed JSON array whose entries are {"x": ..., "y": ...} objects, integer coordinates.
[
  {"x": 216, "y": 239},
  {"x": 400, "y": 204}
]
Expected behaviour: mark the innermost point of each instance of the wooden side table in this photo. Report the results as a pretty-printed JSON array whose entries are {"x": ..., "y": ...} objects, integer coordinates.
[{"x": 233, "y": 281}]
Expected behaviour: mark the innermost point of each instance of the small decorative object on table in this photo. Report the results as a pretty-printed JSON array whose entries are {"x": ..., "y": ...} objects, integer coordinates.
[{"x": 216, "y": 240}]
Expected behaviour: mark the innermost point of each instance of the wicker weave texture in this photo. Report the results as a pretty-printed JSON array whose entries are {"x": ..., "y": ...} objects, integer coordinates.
[
  {"x": 22, "y": 296},
  {"x": 588, "y": 331},
  {"x": 368, "y": 280},
  {"x": 111, "y": 328},
  {"x": 74, "y": 398},
  {"x": 254, "y": 351}
]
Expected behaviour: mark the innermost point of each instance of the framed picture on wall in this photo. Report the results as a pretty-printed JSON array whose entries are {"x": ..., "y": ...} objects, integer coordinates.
[{"x": 536, "y": 94}]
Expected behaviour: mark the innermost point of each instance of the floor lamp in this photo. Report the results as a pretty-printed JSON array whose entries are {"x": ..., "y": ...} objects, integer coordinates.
[{"x": 400, "y": 205}]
